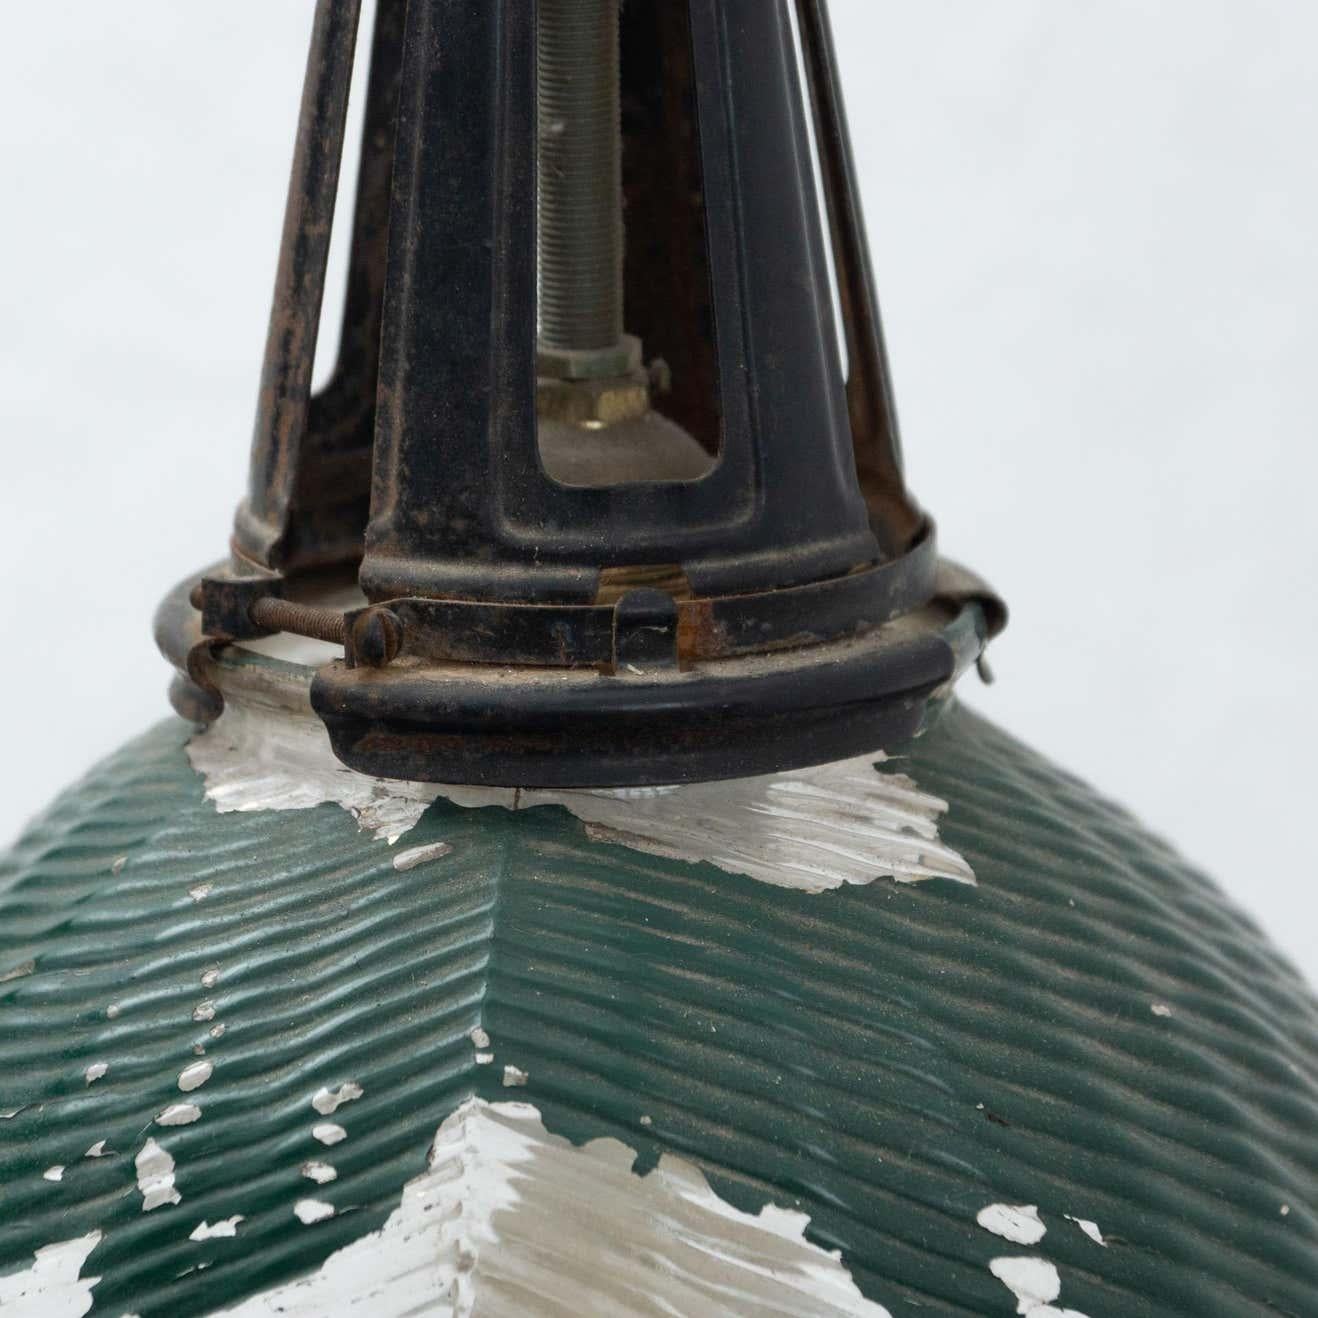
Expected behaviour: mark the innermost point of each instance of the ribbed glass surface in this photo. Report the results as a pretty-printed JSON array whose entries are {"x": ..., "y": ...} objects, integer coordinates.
[{"x": 887, "y": 1059}]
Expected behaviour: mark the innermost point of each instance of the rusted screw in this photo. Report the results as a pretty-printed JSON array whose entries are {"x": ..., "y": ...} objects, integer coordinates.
[{"x": 377, "y": 637}]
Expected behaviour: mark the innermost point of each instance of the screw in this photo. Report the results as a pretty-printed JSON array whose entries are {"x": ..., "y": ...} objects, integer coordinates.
[
  {"x": 377, "y": 636},
  {"x": 580, "y": 177}
]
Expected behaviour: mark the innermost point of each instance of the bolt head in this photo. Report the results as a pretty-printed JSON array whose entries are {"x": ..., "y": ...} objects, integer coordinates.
[{"x": 377, "y": 637}]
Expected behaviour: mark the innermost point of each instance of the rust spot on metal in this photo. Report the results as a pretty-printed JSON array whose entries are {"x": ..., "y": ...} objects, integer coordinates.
[{"x": 698, "y": 632}]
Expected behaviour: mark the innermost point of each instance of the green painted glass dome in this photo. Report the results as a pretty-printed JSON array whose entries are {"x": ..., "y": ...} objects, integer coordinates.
[{"x": 939, "y": 1033}]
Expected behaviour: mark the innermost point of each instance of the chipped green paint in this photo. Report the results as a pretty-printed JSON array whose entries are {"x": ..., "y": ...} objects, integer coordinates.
[{"x": 886, "y": 1059}]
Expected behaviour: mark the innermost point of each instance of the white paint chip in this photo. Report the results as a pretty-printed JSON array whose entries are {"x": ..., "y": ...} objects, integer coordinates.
[
  {"x": 1160, "y": 1009},
  {"x": 1089, "y": 1228},
  {"x": 112, "y": 1011},
  {"x": 1035, "y": 1283},
  {"x": 211, "y": 977},
  {"x": 329, "y": 1101},
  {"x": 224, "y": 1230},
  {"x": 99, "y": 1150},
  {"x": 514, "y": 1077},
  {"x": 179, "y": 1114},
  {"x": 506, "y": 1210},
  {"x": 320, "y": 1172},
  {"x": 479, "y": 1038},
  {"x": 55, "y": 1173},
  {"x": 204, "y": 1011},
  {"x": 1020, "y": 1225},
  {"x": 155, "y": 1177},
  {"x": 18, "y": 972},
  {"x": 484, "y": 1059},
  {"x": 194, "y": 1076},
  {"x": 95, "y": 1071},
  {"x": 118, "y": 866},
  {"x": 418, "y": 856},
  {"x": 201, "y": 891},
  {"x": 329, "y": 1133},
  {"x": 1285, "y": 1210},
  {"x": 217, "y": 1031},
  {"x": 310, "y": 1211},
  {"x": 809, "y": 829},
  {"x": 53, "y": 1286}
]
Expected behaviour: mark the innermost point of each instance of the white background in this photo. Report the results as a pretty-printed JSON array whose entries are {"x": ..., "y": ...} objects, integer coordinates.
[{"x": 1094, "y": 228}]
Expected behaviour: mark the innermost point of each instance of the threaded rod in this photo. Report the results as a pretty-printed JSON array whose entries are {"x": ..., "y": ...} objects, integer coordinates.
[
  {"x": 281, "y": 615},
  {"x": 580, "y": 176}
]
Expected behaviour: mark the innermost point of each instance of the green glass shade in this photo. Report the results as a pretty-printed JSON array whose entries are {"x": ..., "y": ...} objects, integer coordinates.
[{"x": 1090, "y": 1030}]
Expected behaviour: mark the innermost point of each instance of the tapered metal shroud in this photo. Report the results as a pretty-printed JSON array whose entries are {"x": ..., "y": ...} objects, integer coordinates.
[{"x": 587, "y": 557}]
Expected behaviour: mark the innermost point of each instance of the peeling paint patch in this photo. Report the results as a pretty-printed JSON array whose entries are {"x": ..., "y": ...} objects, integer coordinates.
[
  {"x": 118, "y": 866},
  {"x": 204, "y": 1011},
  {"x": 514, "y": 1077},
  {"x": 276, "y": 759},
  {"x": 112, "y": 1011},
  {"x": 99, "y": 1150},
  {"x": 809, "y": 829},
  {"x": 220, "y": 1231},
  {"x": 194, "y": 1076},
  {"x": 320, "y": 1172},
  {"x": 1089, "y": 1228},
  {"x": 211, "y": 977},
  {"x": 311, "y": 1211},
  {"x": 10, "y": 1113},
  {"x": 1032, "y": 1281},
  {"x": 329, "y": 1133},
  {"x": 505, "y": 1210},
  {"x": 55, "y": 1173},
  {"x": 329, "y": 1101},
  {"x": 155, "y": 1177},
  {"x": 53, "y": 1286},
  {"x": 201, "y": 891},
  {"x": 1020, "y": 1225},
  {"x": 1160, "y": 1009},
  {"x": 18, "y": 972},
  {"x": 484, "y": 1059},
  {"x": 179, "y": 1114},
  {"x": 94, "y": 1072},
  {"x": 418, "y": 856},
  {"x": 1035, "y": 1283},
  {"x": 479, "y": 1038}
]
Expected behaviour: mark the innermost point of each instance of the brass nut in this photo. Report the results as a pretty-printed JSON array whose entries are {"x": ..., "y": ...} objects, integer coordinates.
[{"x": 594, "y": 402}]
